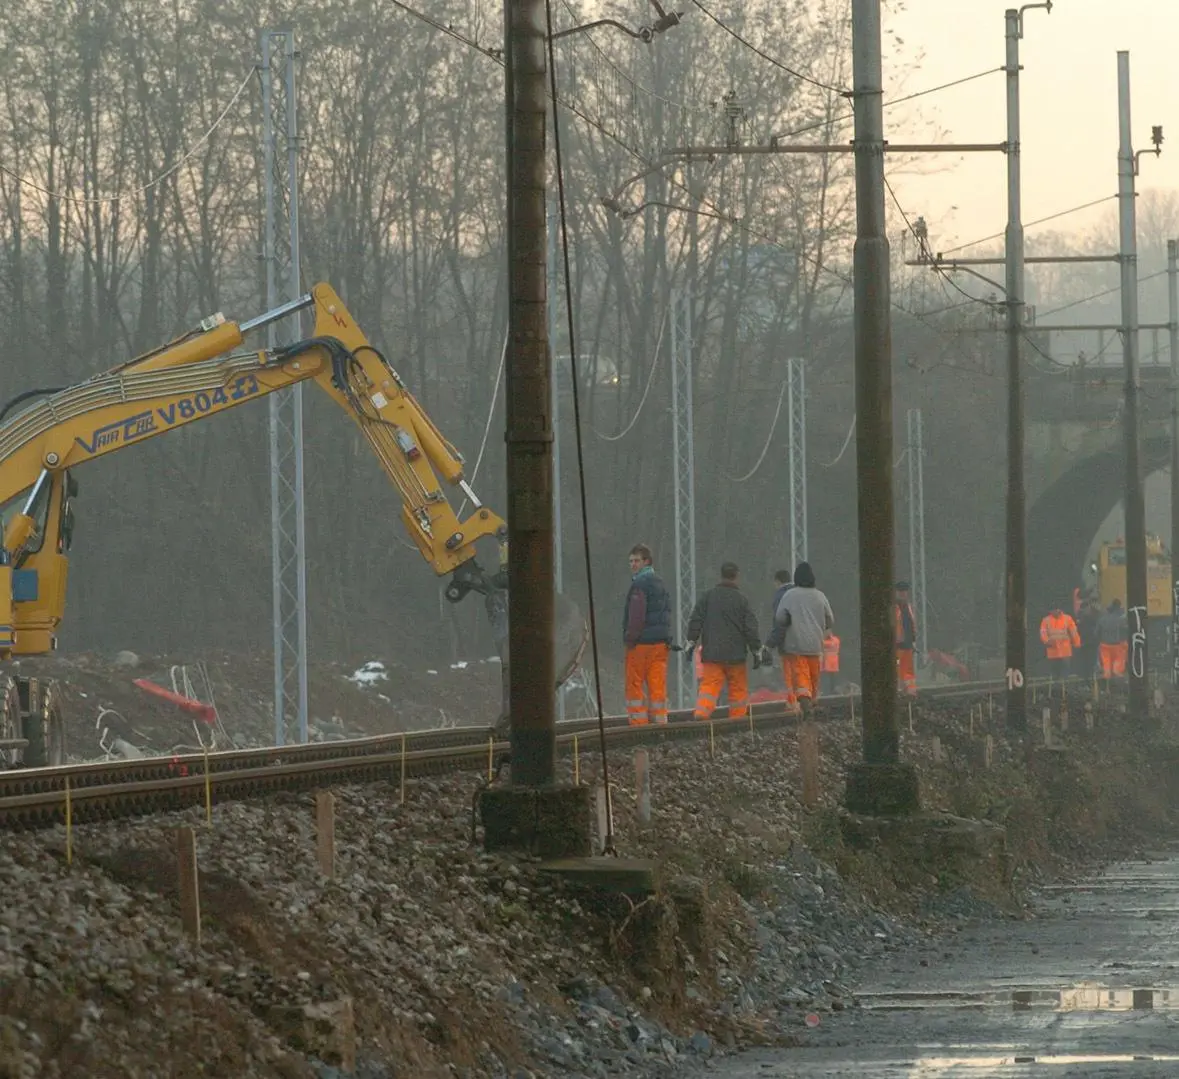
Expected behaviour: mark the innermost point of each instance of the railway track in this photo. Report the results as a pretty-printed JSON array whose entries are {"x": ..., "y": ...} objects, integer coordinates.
[{"x": 110, "y": 790}]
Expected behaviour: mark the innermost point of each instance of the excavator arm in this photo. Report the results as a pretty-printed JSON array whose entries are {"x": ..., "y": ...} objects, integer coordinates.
[{"x": 200, "y": 375}]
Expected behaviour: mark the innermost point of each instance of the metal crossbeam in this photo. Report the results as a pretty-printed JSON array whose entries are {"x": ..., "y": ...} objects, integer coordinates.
[
  {"x": 683, "y": 456},
  {"x": 796, "y": 399},
  {"x": 916, "y": 455},
  {"x": 281, "y": 255}
]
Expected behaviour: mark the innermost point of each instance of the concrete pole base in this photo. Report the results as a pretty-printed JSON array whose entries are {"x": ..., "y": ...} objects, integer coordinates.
[
  {"x": 552, "y": 822},
  {"x": 882, "y": 790}
]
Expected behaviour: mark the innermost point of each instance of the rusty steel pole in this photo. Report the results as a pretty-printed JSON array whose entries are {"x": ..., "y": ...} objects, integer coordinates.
[
  {"x": 1135, "y": 502},
  {"x": 873, "y": 375},
  {"x": 531, "y": 569}
]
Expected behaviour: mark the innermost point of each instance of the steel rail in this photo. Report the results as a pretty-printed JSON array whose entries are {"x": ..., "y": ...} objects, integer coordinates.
[{"x": 110, "y": 790}]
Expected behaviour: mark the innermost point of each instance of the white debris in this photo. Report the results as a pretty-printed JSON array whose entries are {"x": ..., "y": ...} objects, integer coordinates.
[
  {"x": 461, "y": 665},
  {"x": 431, "y": 672},
  {"x": 369, "y": 674}
]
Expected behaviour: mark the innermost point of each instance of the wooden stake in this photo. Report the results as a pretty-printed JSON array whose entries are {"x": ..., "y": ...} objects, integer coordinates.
[
  {"x": 69, "y": 823},
  {"x": 643, "y": 786},
  {"x": 490, "y": 757},
  {"x": 990, "y": 706},
  {"x": 910, "y": 717},
  {"x": 808, "y": 753},
  {"x": 576, "y": 764},
  {"x": 989, "y": 751},
  {"x": 711, "y": 740},
  {"x": 325, "y": 832},
  {"x": 1046, "y": 721},
  {"x": 937, "y": 750},
  {"x": 190, "y": 895},
  {"x": 403, "y": 769},
  {"x": 208, "y": 791}
]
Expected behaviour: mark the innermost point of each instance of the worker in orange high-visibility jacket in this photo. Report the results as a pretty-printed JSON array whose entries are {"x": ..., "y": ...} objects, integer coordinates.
[
  {"x": 830, "y": 663},
  {"x": 725, "y": 628},
  {"x": 1059, "y": 634},
  {"x": 646, "y": 631},
  {"x": 906, "y": 640}
]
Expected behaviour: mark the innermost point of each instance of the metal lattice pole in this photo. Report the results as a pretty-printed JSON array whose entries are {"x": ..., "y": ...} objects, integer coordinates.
[
  {"x": 683, "y": 457},
  {"x": 916, "y": 457},
  {"x": 281, "y": 255},
  {"x": 796, "y": 394}
]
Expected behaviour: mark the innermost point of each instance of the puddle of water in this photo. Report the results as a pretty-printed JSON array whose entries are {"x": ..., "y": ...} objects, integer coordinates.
[
  {"x": 933, "y": 1065},
  {"x": 1079, "y": 997}
]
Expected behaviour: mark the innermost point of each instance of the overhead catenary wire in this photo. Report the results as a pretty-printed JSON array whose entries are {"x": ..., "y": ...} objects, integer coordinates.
[
  {"x": 818, "y": 125},
  {"x": 769, "y": 438},
  {"x": 647, "y": 163},
  {"x": 771, "y": 59},
  {"x": 1030, "y": 224},
  {"x": 559, "y": 170},
  {"x": 842, "y": 449},
  {"x": 647, "y": 389},
  {"x": 98, "y": 200}
]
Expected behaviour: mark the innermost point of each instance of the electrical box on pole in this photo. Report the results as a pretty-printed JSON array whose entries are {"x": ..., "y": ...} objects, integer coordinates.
[{"x": 281, "y": 257}]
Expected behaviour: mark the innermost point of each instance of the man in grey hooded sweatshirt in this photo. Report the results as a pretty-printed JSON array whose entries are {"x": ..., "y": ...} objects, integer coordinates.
[{"x": 805, "y": 615}]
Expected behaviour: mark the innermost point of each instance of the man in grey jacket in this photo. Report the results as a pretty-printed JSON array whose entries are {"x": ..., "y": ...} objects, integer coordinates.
[
  {"x": 805, "y": 616},
  {"x": 726, "y": 628},
  {"x": 1113, "y": 641}
]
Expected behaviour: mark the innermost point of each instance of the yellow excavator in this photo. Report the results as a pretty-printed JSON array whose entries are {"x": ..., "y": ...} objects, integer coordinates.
[{"x": 44, "y": 435}]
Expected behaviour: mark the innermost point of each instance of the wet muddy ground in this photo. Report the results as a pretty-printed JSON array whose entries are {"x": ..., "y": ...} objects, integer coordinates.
[{"x": 1089, "y": 987}]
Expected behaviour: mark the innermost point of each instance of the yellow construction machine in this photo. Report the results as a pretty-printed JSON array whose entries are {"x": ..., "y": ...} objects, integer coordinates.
[{"x": 43, "y": 437}]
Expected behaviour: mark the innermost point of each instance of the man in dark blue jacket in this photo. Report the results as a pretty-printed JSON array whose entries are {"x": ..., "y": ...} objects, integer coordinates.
[{"x": 646, "y": 631}]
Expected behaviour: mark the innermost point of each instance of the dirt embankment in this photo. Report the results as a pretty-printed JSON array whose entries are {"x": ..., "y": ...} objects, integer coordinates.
[{"x": 426, "y": 957}]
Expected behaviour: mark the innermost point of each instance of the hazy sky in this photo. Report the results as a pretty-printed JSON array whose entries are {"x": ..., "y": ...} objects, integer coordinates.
[{"x": 1069, "y": 107}]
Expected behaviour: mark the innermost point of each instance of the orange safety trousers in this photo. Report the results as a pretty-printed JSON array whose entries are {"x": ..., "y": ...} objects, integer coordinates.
[
  {"x": 801, "y": 674},
  {"x": 906, "y": 671},
  {"x": 713, "y": 678},
  {"x": 1113, "y": 659},
  {"x": 646, "y": 667}
]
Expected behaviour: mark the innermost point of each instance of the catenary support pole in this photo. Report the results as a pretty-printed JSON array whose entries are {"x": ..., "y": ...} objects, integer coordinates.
[
  {"x": 554, "y": 321},
  {"x": 287, "y": 514},
  {"x": 529, "y": 405},
  {"x": 1017, "y": 572},
  {"x": 880, "y": 784},
  {"x": 796, "y": 402},
  {"x": 1173, "y": 318},
  {"x": 684, "y": 492},
  {"x": 916, "y": 459},
  {"x": 1135, "y": 505}
]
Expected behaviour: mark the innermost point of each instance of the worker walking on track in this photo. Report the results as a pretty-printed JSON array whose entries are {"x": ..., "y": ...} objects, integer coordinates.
[
  {"x": 1059, "y": 634},
  {"x": 906, "y": 640},
  {"x": 724, "y": 627},
  {"x": 830, "y": 663},
  {"x": 646, "y": 630},
  {"x": 783, "y": 582},
  {"x": 805, "y": 615},
  {"x": 1113, "y": 637}
]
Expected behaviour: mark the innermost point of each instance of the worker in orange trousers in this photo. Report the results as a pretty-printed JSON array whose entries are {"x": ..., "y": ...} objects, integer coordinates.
[{"x": 646, "y": 631}]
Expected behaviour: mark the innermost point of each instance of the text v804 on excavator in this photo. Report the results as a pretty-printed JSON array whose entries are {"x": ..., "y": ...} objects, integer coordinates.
[{"x": 46, "y": 434}]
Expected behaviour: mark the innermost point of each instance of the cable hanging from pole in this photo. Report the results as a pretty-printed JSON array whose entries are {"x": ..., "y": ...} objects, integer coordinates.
[
  {"x": 643, "y": 400},
  {"x": 608, "y": 844},
  {"x": 769, "y": 438},
  {"x": 101, "y": 200}
]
